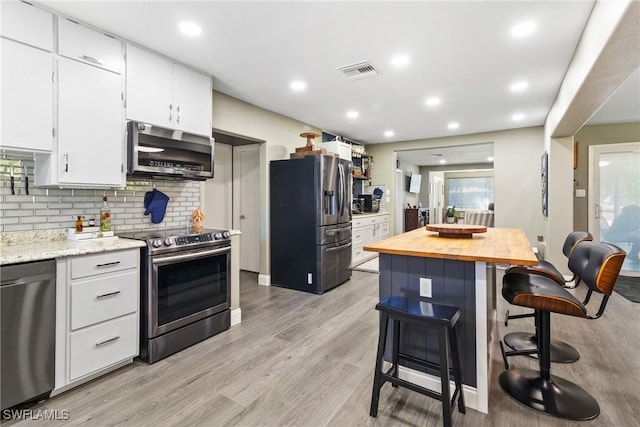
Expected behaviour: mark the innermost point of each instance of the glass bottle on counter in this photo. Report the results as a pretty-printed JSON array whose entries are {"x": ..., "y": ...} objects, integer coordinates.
[
  {"x": 105, "y": 215},
  {"x": 79, "y": 224}
]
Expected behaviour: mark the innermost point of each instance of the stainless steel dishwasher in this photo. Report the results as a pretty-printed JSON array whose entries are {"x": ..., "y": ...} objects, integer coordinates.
[{"x": 27, "y": 331}]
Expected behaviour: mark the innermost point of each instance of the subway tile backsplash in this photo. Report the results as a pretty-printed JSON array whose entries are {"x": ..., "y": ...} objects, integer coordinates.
[{"x": 54, "y": 208}]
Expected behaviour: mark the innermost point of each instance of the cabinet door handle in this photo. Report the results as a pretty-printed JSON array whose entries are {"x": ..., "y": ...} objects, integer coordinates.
[
  {"x": 92, "y": 59},
  {"x": 178, "y": 114},
  {"x": 66, "y": 162},
  {"x": 107, "y": 264},
  {"x": 110, "y": 294},
  {"x": 110, "y": 340},
  {"x": 170, "y": 112}
]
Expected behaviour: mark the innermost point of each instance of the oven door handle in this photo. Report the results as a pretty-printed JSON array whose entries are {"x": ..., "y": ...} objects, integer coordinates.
[
  {"x": 337, "y": 248},
  {"x": 190, "y": 255}
]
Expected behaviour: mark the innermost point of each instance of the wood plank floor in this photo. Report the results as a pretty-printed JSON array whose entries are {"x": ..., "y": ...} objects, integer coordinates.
[{"x": 300, "y": 359}]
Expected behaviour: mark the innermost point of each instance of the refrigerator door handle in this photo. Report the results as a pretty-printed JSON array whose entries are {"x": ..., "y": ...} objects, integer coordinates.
[
  {"x": 337, "y": 248},
  {"x": 339, "y": 190},
  {"x": 342, "y": 185}
]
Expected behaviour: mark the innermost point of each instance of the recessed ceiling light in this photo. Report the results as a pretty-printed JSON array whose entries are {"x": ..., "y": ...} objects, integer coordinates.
[
  {"x": 523, "y": 29},
  {"x": 389, "y": 133},
  {"x": 519, "y": 85},
  {"x": 399, "y": 60},
  {"x": 603, "y": 163},
  {"x": 190, "y": 29},
  {"x": 298, "y": 85},
  {"x": 453, "y": 125},
  {"x": 517, "y": 117},
  {"x": 490, "y": 159},
  {"x": 432, "y": 101},
  {"x": 352, "y": 114},
  {"x": 443, "y": 161}
]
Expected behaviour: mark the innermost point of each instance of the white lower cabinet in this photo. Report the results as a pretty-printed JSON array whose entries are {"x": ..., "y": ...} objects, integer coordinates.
[
  {"x": 367, "y": 229},
  {"x": 102, "y": 345},
  {"x": 97, "y": 315}
]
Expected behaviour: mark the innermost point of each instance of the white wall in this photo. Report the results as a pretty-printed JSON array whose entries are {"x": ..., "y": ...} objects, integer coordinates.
[
  {"x": 410, "y": 198},
  {"x": 281, "y": 135},
  {"x": 216, "y": 195},
  {"x": 517, "y": 155},
  {"x": 605, "y": 56}
]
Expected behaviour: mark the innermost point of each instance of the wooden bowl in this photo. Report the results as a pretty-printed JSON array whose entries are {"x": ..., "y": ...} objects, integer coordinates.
[{"x": 456, "y": 230}]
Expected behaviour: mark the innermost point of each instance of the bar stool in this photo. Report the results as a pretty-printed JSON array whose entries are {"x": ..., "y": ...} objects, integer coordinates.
[
  {"x": 400, "y": 310},
  {"x": 526, "y": 343},
  {"x": 598, "y": 265}
]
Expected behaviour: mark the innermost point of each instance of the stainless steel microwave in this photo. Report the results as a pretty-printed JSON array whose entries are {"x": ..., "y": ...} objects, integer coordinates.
[{"x": 167, "y": 153}]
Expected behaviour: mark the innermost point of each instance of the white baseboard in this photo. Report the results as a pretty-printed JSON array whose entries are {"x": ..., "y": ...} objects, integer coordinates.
[
  {"x": 236, "y": 316},
  {"x": 264, "y": 279},
  {"x": 433, "y": 383}
]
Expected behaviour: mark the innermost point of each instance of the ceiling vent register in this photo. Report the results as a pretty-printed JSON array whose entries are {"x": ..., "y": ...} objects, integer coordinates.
[{"x": 361, "y": 70}]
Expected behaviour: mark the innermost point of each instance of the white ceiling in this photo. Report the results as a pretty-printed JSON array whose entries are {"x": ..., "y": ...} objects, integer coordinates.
[{"x": 461, "y": 51}]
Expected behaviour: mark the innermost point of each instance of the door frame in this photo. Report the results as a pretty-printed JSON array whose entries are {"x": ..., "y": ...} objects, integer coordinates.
[{"x": 594, "y": 178}]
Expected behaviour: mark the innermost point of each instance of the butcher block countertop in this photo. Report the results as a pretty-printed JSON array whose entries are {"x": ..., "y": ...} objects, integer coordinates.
[{"x": 499, "y": 245}]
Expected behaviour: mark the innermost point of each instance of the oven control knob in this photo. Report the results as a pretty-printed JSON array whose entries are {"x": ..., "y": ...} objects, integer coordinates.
[
  {"x": 168, "y": 241},
  {"x": 226, "y": 234},
  {"x": 157, "y": 243},
  {"x": 217, "y": 236}
]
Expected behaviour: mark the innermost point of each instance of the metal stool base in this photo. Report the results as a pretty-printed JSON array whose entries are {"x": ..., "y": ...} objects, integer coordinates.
[
  {"x": 561, "y": 352},
  {"x": 556, "y": 396}
]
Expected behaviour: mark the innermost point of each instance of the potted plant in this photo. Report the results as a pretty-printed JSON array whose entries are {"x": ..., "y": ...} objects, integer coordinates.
[{"x": 451, "y": 214}]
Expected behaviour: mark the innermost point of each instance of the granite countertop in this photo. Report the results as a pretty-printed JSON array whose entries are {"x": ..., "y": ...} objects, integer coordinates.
[{"x": 20, "y": 247}]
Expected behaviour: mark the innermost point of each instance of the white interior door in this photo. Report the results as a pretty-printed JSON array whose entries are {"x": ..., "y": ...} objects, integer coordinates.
[
  {"x": 399, "y": 209},
  {"x": 614, "y": 197},
  {"x": 216, "y": 195},
  {"x": 246, "y": 204},
  {"x": 436, "y": 197}
]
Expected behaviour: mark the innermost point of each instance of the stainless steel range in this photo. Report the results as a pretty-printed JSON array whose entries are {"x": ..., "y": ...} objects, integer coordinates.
[{"x": 185, "y": 289}]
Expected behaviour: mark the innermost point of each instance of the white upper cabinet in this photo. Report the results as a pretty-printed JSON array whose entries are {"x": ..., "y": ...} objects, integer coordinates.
[
  {"x": 83, "y": 44},
  {"x": 149, "y": 88},
  {"x": 26, "y": 97},
  {"x": 90, "y": 152},
  {"x": 192, "y": 98},
  {"x": 27, "y": 24},
  {"x": 165, "y": 94},
  {"x": 27, "y": 86}
]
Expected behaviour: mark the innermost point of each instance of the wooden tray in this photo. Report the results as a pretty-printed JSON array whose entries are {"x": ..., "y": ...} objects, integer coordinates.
[{"x": 456, "y": 230}]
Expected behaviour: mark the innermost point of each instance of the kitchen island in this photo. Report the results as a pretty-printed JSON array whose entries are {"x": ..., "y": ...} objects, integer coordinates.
[{"x": 463, "y": 274}]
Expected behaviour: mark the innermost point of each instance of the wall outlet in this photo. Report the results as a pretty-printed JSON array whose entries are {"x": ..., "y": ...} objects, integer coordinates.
[{"x": 425, "y": 287}]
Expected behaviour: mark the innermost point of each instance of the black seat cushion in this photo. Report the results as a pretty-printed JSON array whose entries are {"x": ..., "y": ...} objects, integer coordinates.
[
  {"x": 415, "y": 310},
  {"x": 544, "y": 268},
  {"x": 540, "y": 293}
]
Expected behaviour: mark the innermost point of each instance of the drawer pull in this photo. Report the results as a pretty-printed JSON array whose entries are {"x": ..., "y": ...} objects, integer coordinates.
[
  {"x": 92, "y": 59},
  {"x": 108, "y": 264},
  {"x": 110, "y": 294},
  {"x": 105, "y": 342}
]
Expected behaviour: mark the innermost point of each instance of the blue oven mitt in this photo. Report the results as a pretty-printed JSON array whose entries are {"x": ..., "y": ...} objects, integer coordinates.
[{"x": 155, "y": 203}]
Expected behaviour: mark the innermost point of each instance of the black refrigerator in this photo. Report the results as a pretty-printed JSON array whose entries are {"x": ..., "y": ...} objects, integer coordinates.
[{"x": 310, "y": 222}]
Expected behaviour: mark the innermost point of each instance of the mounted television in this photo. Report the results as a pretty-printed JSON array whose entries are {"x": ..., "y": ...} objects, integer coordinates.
[{"x": 414, "y": 184}]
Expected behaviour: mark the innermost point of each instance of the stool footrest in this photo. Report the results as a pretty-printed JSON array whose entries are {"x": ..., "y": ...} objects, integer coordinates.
[
  {"x": 411, "y": 386},
  {"x": 424, "y": 363}
]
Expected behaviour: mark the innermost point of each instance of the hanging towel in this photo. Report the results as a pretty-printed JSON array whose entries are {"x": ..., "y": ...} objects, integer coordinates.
[{"x": 155, "y": 203}]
